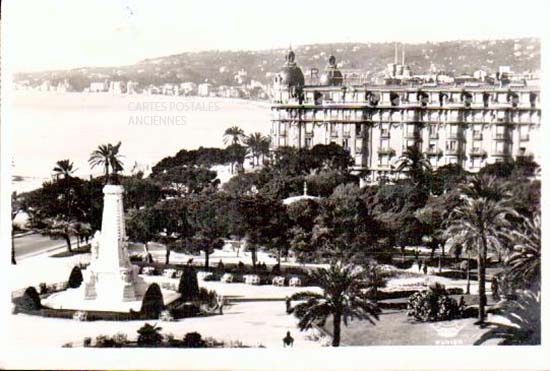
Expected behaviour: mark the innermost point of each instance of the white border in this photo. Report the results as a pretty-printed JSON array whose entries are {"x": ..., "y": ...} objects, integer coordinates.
[{"x": 374, "y": 357}]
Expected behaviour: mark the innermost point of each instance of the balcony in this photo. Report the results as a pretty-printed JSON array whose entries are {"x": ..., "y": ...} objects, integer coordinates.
[
  {"x": 434, "y": 152},
  {"x": 412, "y": 135},
  {"x": 454, "y": 151},
  {"x": 434, "y": 136},
  {"x": 478, "y": 136},
  {"x": 347, "y": 134},
  {"x": 334, "y": 134},
  {"x": 501, "y": 136},
  {"x": 457, "y": 136},
  {"x": 477, "y": 152},
  {"x": 386, "y": 152},
  {"x": 524, "y": 137},
  {"x": 384, "y": 134}
]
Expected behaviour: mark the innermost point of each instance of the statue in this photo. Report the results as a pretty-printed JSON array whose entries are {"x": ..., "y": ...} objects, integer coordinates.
[{"x": 95, "y": 245}]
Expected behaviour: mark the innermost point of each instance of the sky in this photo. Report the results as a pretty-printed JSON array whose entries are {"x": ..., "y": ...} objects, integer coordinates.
[{"x": 59, "y": 34}]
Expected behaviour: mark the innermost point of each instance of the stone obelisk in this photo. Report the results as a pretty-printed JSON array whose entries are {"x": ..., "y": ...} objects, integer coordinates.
[{"x": 111, "y": 277}]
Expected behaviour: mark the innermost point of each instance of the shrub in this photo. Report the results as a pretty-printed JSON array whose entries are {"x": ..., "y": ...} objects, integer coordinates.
[
  {"x": 193, "y": 340},
  {"x": 75, "y": 278},
  {"x": 153, "y": 302},
  {"x": 87, "y": 342},
  {"x": 149, "y": 335},
  {"x": 184, "y": 310},
  {"x": 43, "y": 288},
  {"x": 433, "y": 304},
  {"x": 189, "y": 284},
  {"x": 212, "y": 277},
  {"x": 209, "y": 297},
  {"x": 103, "y": 341},
  {"x": 29, "y": 301}
]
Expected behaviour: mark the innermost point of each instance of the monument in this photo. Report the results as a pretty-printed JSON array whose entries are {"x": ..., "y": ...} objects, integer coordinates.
[{"x": 110, "y": 277}]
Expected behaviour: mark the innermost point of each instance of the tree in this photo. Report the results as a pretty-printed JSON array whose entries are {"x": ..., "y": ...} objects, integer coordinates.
[
  {"x": 15, "y": 209},
  {"x": 479, "y": 224},
  {"x": 236, "y": 154},
  {"x": 152, "y": 303},
  {"x": 524, "y": 321},
  {"x": 186, "y": 179},
  {"x": 255, "y": 143},
  {"x": 61, "y": 228},
  {"x": 108, "y": 156},
  {"x": 149, "y": 335},
  {"x": 233, "y": 135},
  {"x": 345, "y": 296},
  {"x": 189, "y": 285},
  {"x": 523, "y": 266},
  {"x": 416, "y": 165},
  {"x": 142, "y": 226},
  {"x": 75, "y": 278},
  {"x": 65, "y": 168}
]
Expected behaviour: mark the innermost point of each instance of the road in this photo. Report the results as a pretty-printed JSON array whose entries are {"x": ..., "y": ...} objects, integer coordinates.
[{"x": 36, "y": 243}]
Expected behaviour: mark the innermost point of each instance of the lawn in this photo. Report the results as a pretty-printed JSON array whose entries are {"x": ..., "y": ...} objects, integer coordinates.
[{"x": 396, "y": 328}]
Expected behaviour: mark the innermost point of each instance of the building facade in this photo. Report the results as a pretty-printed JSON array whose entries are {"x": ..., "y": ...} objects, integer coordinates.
[{"x": 470, "y": 126}]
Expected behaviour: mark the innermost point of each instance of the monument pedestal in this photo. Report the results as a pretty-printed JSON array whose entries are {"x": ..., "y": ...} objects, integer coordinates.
[{"x": 111, "y": 277}]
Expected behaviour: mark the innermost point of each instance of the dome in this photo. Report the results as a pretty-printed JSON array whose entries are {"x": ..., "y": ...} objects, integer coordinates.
[
  {"x": 332, "y": 75},
  {"x": 291, "y": 74}
]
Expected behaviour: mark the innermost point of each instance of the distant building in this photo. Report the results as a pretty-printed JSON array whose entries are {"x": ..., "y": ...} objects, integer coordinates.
[
  {"x": 188, "y": 88},
  {"x": 97, "y": 87},
  {"x": 115, "y": 87},
  {"x": 203, "y": 89},
  {"x": 469, "y": 126}
]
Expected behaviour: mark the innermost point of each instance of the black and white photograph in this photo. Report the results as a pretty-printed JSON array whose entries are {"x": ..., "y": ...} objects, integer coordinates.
[{"x": 272, "y": 184}]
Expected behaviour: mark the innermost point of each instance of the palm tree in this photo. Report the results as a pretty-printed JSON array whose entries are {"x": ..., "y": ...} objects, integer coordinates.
[
  {"x": 234, "y": 134},
  {"x": 108, "y": 156},
  {"x": 101, "y": 157},
  {"x": 524, "y": 318},
  {"x": 65, "y": 168},
  {"x": 523, "y": 265},
  {"x": 114, "y": 160},
  {"x": 264, "y": 147},
  {"x": 415, "y": 164},
  {"x": 254, "y": 142},
  {"x": 479, "y": 224},
  {"x": 345, "y": 296}
]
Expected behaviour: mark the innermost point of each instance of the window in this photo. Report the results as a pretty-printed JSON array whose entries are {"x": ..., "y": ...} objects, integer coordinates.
[
  {"x": 333, "y": 130},
  {"x": 499, "y": 147},
  {"x": 345, "y": 144},
  {"x": 384, "y": 143},
  {"x": 452, "y": 145},
  {"x": 307, "y": 143},
  {"x": 358, "y": 131}
]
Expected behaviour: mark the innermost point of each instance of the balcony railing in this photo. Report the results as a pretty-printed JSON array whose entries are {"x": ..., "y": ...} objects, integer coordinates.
[
  {"x": 501, "y": 136},
  {"x": 386, "y": 152},
  {"x": 524, "y": 137},
  {"x": 524, "y": 154},
  {"x": 454, "y": 151},
  {"x": 434, "y": 152},
  {"x": 478, "y": 136},
  {"x": 334, "y": 134},
  {"x": 384, "y": 134},
  {"x": 478, "y": 152},
  {"x": 434, "y": 136}
]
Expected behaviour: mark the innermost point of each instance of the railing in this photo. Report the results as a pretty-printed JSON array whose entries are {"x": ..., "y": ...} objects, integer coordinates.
[
  {"x": 478, "y": 136},
  {"x": 478, "y": 152},
  {"x": 524, "y": 137},
  {"x": 434, "y": 152},
  {"x": 386, "y": 152}
]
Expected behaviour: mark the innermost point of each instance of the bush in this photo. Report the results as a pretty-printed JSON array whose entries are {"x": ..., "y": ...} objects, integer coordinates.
[
  {"x": 209, "y": 297},
  {"x": 153, "y": 302},
  {"x": 87, "y": 342},
  {"x": 193, "y": 340},
  {"x": 117, "y": 341},
  {"x": 184, "y": 310},
  {"x": 212, "y": 277},
  {"x": 189, "y": 284},
  {"x": 433, "y": 304},
  {"x": 43, "y": 288},
  {"x": 75, "y": 278},
  {"x": 29, "y": 301},
  {"x": 149, "y": 335}
]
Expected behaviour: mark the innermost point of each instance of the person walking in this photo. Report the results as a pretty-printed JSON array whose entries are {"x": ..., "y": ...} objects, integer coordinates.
[{"x": 288, "y": 340}]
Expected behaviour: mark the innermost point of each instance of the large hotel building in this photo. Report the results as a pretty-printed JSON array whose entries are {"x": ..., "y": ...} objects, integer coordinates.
[{"x": 468, "y": 125}]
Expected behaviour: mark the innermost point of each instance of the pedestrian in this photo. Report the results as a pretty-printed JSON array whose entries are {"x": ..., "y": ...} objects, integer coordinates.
[
  {"x": 220, "y": 303},
  {"x": 425, "y": 268},
  {"x": 288, "y": 341}
]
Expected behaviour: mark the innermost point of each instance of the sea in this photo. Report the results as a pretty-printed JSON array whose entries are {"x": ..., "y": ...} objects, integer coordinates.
[{"x": 52, "y": 126}]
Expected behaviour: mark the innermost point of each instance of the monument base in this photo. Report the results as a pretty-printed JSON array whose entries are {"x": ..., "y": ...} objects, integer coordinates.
[{"x": 73, "y": 299}]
